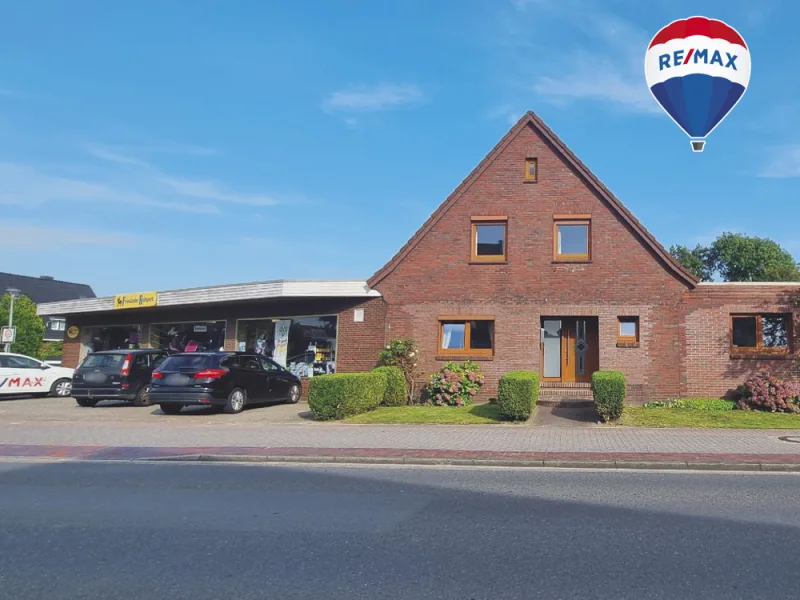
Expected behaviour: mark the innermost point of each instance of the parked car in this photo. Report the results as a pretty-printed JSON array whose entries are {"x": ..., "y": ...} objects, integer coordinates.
[
  {"x": 116, "y": 375},
  {"x": 21, "y": 374},
  {"x": 231, "y": 380}
]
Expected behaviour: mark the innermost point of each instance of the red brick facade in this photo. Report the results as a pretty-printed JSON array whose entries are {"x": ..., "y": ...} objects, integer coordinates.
[{"x": 629, "y": 274}]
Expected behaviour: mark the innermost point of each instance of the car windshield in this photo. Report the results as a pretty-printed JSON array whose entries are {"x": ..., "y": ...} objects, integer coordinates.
[
  {"x": 187, "y": 363},
  {"x": 100, "y": 361}
]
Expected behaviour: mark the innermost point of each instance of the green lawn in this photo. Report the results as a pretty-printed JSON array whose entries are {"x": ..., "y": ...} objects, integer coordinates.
[
  {"x": 481, "y": 414},
  {"x": 721, "y": 419}
]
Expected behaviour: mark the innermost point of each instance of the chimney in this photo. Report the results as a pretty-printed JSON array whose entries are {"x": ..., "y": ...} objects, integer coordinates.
[{"x": 46, "y": 277}]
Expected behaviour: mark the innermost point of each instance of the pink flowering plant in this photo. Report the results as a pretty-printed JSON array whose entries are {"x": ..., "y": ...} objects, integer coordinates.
[
  {"x": 765, "y": 392},
  {"x": 455, "y": 385}
]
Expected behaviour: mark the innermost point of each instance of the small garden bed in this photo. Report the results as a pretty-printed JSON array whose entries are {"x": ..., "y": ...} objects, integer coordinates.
[
  {"x": 636, "y": 416},
  {"x": 481, "y": 414}
]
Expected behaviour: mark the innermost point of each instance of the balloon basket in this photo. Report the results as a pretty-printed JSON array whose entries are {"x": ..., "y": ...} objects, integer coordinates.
[{"x": 698, "y": 145}]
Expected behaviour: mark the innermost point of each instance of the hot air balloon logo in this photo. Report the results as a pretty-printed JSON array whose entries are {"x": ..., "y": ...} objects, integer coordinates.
[{"x": 697, "y": 69}]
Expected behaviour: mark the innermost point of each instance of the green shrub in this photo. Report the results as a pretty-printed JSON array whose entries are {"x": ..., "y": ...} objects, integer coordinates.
[
  {"x": 455, "y": 384},
  {"x": 396, "y": 393},
  {"x": 517, "y": 394},
  {"x": 608, "y": 389},
  {"x": 345, "y": 394},
  {"x": 694, "y": 403}
]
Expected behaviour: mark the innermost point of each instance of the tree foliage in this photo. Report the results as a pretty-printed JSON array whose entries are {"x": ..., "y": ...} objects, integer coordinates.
[
  {"x": 739, "y": 257},
  {"x": 30, "y": 327}
]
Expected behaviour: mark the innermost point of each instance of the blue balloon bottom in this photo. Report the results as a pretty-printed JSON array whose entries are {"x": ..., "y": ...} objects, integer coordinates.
[{"x": 697, "y": 102}]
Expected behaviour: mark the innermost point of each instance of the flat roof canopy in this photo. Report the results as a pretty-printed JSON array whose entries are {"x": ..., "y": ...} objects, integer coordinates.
[{"x": 279, "y": 288}]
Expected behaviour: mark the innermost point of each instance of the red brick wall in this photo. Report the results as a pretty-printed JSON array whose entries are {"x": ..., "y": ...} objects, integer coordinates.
[
  {"x": 358, "y": 344},
  {"x": 708, "y": 369},
  {"x": 624, "y": 278}
]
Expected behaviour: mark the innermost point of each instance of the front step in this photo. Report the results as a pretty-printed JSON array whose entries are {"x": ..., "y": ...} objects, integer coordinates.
[{"x": 566, "y": 395}]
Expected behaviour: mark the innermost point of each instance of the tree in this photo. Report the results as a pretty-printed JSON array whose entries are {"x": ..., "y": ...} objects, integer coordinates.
[
  {"x": 403, "y": 353},
  {"x": 738, "y": 257},
  {"x": 30, "y": 327},
  {"x": 694, "y": 260}
]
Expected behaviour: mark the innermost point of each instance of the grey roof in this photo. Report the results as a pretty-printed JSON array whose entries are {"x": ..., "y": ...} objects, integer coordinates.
[{"x": 44, "y": 288}]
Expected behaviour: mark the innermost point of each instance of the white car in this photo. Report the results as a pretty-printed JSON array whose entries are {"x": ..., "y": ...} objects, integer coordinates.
[{"x": 25, "y": 375}]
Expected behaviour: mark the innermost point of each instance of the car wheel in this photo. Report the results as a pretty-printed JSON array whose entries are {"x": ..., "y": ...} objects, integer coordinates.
[
  {"x": 61, "y": 388},
  {"x": 293, "y": 397},
  {"x": 143, "y": 396},
  {"x": 236, "y": 401},
  {"x": 171, "y": 409},
  {"x": 87, "y": 402}
]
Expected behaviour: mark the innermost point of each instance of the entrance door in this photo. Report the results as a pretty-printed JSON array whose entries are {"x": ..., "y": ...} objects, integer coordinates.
[{"x": 569, "y": 349}]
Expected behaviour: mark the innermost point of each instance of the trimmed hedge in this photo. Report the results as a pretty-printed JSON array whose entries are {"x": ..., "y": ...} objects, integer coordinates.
[
  {"x": 342, "y": 395},
  {"x": 517, "y": 394},
  {"x": 396, "y": 393},
  {"x": 608, "y": 389}
]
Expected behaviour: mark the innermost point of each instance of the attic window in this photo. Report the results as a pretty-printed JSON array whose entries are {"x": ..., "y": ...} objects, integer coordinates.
[
  {"x": 531, "y": 169},
  {"x": 489, "y": 239},
  {"x": 572, "y": 238}
]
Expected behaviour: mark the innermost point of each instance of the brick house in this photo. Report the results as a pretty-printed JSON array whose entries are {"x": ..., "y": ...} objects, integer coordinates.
[{"x": 531, "y": 263}]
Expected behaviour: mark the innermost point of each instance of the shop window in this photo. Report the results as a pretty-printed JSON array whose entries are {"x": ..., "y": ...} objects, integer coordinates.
[
  {"x": 572, "y": 238},
  {"x": 98, "y": 339},
  {"x": 489, "y": 238},
  {"x": 627, "y": 330},
  {"x": 531, "y": 169},
  {"x": 199, "y": 336},
  {"x": 760, "y": 333},
  {"x": 471, "y": 335},
  {"x": 304, "y": 345}
]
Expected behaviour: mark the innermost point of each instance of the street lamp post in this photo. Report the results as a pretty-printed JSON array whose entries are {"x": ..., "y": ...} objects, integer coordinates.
[{"x": 13, "y": 292}]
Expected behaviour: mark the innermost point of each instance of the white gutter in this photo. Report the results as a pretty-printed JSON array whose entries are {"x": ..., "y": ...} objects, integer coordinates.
[{"x": 280, "y": 288}]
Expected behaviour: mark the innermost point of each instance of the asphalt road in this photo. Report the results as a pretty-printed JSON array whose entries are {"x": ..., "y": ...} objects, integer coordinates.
[{"x": 165, "y": 531}]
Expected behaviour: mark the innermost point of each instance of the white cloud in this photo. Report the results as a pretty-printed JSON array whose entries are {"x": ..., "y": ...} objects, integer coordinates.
[
  {"x": 29, "y": 186},
  {"x": 371, "y": 98},
  {"x": 573, "y": 51},
  {"x": 22, "y": 235},
  {"x": 784, "y": 162},
  {"x": 210, "y": 190}
]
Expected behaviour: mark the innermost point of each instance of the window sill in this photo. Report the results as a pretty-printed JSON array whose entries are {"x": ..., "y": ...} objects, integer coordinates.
[
  {"x": 530, "y": 181},
  {"x": 463, "y": 357},
  {"x": 627, "y": 344},
  {"x": 488, "y": 262},
  {"x": 761, "y": 355},
  {"x": 577, "y": 261}
]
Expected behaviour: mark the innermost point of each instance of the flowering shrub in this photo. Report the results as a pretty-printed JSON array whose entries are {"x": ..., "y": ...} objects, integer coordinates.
[
  {"x": 455, "y": 384},
  {"x": 403, "y": 354},
  {"x": 765, "y": 392}
]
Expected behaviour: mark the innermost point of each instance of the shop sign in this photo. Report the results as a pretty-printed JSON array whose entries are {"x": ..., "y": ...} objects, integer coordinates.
[
  {"x": 73, "y": 332},
  {"x": 281, "y": 341},
  {"x": 200, "y": 328},
  {"x": 140, "y": 300}
]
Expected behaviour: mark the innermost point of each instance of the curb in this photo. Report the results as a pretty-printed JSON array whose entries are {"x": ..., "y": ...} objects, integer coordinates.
[{"x": 477, "y": 462}]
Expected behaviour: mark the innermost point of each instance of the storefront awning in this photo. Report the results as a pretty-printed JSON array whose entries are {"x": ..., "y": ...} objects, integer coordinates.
[{"x": 280, "y": 288}]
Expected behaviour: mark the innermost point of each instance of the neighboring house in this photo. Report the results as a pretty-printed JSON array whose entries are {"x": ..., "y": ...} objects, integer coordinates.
[
  {"x": 530, "y": 264},
  {"x": 46, "y": 289}
]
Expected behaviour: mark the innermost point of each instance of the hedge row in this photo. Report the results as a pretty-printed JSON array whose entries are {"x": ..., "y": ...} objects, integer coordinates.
[
  {"x": 342, "y": 395},
  {"x": 517, "y": 393},
  {"x": 608, "y": 389}
]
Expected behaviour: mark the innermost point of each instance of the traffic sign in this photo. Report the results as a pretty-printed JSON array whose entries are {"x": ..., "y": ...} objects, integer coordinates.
[{"x": 8, "y": 335}]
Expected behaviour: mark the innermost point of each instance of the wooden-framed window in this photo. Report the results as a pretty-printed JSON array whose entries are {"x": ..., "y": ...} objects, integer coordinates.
[
  {"x": 627, "y": 330},
  {"x": 489, "y": 235},
  {"x": 761, "y": 333},
  {"x": 531, "y": 169},
  {"x": 572, "y": 238},
  {"x": 466, "y": 335}
]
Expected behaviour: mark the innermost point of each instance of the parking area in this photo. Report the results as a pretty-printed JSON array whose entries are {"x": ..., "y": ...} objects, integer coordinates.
[{"x": 65, "y": 410}]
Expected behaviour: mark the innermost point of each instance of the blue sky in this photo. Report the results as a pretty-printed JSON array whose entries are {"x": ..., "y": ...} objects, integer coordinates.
[{"x": 156, "y": 145}]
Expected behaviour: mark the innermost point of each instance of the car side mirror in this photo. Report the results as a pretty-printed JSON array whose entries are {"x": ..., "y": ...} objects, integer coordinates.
[{"x": 44, "y": 366}]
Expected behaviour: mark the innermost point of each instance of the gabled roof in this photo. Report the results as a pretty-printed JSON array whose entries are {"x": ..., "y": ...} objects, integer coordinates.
[
  {"x": 530, "y": 119},
  {"x": 45, "y": 289}
]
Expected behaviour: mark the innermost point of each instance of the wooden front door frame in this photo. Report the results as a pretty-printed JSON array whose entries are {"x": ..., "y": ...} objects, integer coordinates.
[{"x": 569, "y": 353}]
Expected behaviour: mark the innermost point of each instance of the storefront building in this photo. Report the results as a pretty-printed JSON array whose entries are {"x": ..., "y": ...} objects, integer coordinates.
[
  {"x": 530, "y": 264},
  {"x": 310, "y": 327}
]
